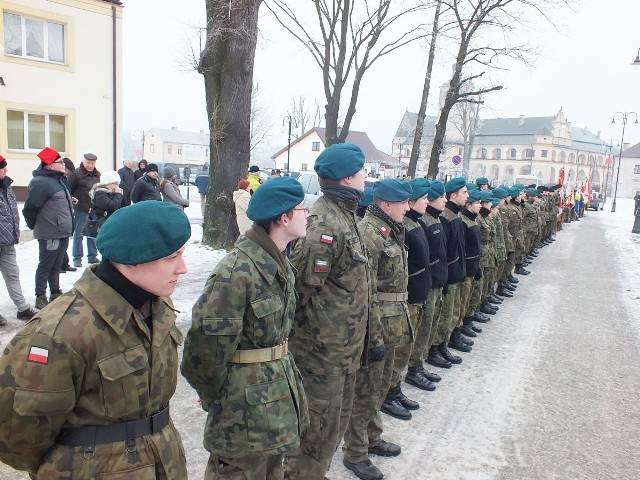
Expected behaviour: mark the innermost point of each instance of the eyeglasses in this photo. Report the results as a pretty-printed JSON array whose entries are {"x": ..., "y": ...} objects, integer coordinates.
[
  {"x": 304, "y": 209},
  {"x": 58, "y": 161}
]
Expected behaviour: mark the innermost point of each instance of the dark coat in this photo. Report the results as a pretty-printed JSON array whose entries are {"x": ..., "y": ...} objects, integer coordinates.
[
  {"x": 47, "y": 209},
  {"x": 81, "y": 181},
  {"x": 437, "y": 247},
  {"x": 105, "y": 201},
  {"x": 145, "y": 188},
  {"x": 415, "y": 239},
  {"x": 202, "y": 182},
  {"x": 9, "y": 216},
  {"x": 472, "y": 244},
  {"x": 453, "y": 228},
  {"x": 127, "y": 180}
]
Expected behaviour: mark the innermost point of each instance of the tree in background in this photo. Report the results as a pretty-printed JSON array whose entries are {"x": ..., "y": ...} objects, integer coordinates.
[
  {"x": 345, "y": 42},
  {"x": 301, "y": 114},
  {"x": 226, "y": 62}
]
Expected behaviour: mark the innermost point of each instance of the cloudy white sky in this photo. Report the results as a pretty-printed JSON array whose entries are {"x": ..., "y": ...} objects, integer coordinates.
[{"x": 584, "y": 66}]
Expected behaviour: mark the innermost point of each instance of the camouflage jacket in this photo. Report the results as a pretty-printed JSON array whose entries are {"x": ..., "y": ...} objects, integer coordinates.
[
  {"x": 89, "y": 358},
  {"x": 247, "y": 303},
  {"x": 505, "y": 213},
  {"x": 499, "y": 239},
  {"x": 515, "y": 226},
  {"x": 389, "y": 317},
  {"x": 487, "y": 239},
  {"x": 530, "y": 219},
  {"x": 333, "y": 278}
]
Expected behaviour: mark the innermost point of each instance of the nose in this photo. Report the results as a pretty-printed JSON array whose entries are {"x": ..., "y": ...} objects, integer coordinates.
[{"x": 182, "y": 266}]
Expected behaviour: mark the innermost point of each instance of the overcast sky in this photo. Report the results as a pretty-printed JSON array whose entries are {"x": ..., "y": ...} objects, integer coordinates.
[{"x": 584, "y": 67}]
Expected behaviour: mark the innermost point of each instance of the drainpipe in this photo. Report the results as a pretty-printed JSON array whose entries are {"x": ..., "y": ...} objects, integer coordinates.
[{"x": 115, "y": 90}]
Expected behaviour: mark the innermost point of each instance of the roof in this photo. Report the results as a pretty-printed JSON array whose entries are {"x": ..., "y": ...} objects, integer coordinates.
[
  {"x": 116, "y": 2},
  {"x": 371, "y": 153},
  {"x": 178, "y": 136},
  {"x": 407, "y": 127},
  {"x": 632, "y": 152}
]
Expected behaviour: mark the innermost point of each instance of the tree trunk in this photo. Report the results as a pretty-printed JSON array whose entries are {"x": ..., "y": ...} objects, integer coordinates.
[
  {"x": 422, "y": 111},
  {"x": 227, "y": 66}
]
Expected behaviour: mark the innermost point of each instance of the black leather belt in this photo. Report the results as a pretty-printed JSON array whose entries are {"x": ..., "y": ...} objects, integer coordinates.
[{"x": 116, "y": 432}]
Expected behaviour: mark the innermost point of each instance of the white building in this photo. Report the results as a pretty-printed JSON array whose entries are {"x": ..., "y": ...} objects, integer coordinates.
[
  {"x": 629, "y": 181},
  {"x": 61, "y": 82},
  {"x": 163, "y": 145}
]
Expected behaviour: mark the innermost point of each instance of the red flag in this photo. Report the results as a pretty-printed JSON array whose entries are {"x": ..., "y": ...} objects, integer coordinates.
[
  {"x": 608, "y": 161},
  {"x": 561, "y": 177}
]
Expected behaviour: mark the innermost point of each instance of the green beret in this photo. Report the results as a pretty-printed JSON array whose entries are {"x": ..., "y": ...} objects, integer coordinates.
[
  {"x": 482, "y": 181},
  {"x": 367, "y": 197},
  {"x": 474, "y": 195},
  {"x": 340, "y": 160},
  {"x": 520, "y": 186},
  {"x": 455, "y": 184},
  {"x": 532, "y": 192},
  {"x": 486, "y": 196},
  {"x": 143, "y": 232},
  {"x": 273, "y": 198},
  {"x": 392, "y": 190},
  {"x": 420, "y": 187},
  {"x": 436, "y": 190},
  {"x": 471, "y": 186},
  {"x": 515, "y": 191},
  {"x": 495, "y": 202},
  {"x": 501, "y": 192}
]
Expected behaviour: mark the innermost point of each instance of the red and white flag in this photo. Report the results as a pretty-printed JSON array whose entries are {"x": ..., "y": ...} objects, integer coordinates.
[
  {"x": 608, "y": 161},
  {"x": 38, "y": 355}
]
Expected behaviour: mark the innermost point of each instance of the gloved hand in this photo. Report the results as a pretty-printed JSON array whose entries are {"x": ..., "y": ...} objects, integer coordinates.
[
  {"x": 376, "y": 354},
  {"x": 445, "y": 289},
  {"x": 478, "y": 275}
]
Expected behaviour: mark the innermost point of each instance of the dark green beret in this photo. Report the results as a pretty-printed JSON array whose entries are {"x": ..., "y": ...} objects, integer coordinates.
[
  {"x": 501, "y": 192},
  {"x": 392, "y": 190},
  {"x": 495, "y": 202},
  {"x": 486, "y": 196},
  {"x": 515, "y": 191},
  {"x": 367, "y": 197},
  {"x": 532, "y": 192},
  {"x": 340, "y": 160},
  {"x": 420, "y": 187},
  {"x": 482, "y": 181},
  {"x": 455, "y": 184},
  {"x": 471, "y": 186},
  {"x": 143, "y": 232},
  {"x": 520, "y": 186},
  {"x": 273, "y": 198},
  {"x": 436, "y": 190},
  {"x": 474, "y": 195}
]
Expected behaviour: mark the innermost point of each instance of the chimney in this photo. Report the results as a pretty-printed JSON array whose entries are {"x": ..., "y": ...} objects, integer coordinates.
[
  {"x": 521, "y": 122},
  {"x": 599, "y": 132},
  {"x": 174, "y": 129}
]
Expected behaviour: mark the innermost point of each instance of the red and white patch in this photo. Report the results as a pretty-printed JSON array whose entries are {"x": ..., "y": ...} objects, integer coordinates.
[
  {"x": 38, "y": 355},
  {"x": 328, "y": 239},
  {"x": 384, "y": 232},
  {"x": 321, "y": 266}
]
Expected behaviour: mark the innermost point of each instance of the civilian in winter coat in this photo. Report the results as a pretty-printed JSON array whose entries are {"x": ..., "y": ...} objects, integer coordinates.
[
  {"x": 202, "y": 182},
  {"x": 142, "y": 168},
  {"x": 147, "y": 186},
  {"x": 169, "y": 188},
  {"x": 106, "y": 196},
  {"x": 9, "y": 237},
  {"x": 81, "y": 180},
  {"x": 127, "y": 179},
  {"x": 241, "y": 198},
  {"x": 49, "y": 213}
]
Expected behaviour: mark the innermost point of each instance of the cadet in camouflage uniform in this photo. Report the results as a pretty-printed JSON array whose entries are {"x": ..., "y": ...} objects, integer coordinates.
[
  {"x": 499, "y": 250},
  {"x": 236, "y": 351},
  {"x": 383, "y": 233},
  {"x": 330, "y": 328},
  {"x": 510, "y": 240},
  {"x": 86, "y": 384},
  {"x": 516, "y": 226}
]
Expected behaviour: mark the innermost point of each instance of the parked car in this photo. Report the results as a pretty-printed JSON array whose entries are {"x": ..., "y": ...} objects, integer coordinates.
[{"x": 596, "y": 202}]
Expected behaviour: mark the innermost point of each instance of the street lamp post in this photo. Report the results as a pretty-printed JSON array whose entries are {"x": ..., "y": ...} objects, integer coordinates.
[
  {"x": 637, "y": 60},
  {"x": 290, "y": 121},
  {"x": 625, "y": 117},
  {"x": 143, "y": 134}
]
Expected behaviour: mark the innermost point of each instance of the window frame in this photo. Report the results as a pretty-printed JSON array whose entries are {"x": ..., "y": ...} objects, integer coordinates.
[
  {"x": 23, "y": 38},
  {"x": 315, "y": 146},
  {"x": 26, "y": 134},
  {"x": 636, "y": 169}
]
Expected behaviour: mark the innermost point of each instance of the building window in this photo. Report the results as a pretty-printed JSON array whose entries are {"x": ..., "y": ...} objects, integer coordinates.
[
  {"x": 545, "y": 153},
  {"x": 497, "y": 153},
  {"x": 315, "y": 146},
  {"x": 169, "y": 148},
  {"x": 152, "y": 148},
  {"x": 33, "y": 38},
  {"x": 34, "y": 131},
  {"x": 303, "y": 167},
  {"x": 512, "y": 153},
  {"x": 636, "y": 169},
  {"x": 459, "y": 151},
  {"x": 179, "y": 150},
  {"x": 483, "y": 153}
]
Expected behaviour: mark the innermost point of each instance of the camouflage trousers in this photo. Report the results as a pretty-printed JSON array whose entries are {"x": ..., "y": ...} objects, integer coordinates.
[
  {"x": 330, "y": 400},
  {"x": 465, "y": 297},
  {"x": 488, "y": 279},
  {"x": 421, "y": 330},
  {"x": 249, "y": 468},
  {"x": 365, "y": 426},
  {"x": 450, "y": 312},
  {"x": 508, "y": 266},
  {"x": 432, "y": 317},
  {"x": 476, "y": 295}
]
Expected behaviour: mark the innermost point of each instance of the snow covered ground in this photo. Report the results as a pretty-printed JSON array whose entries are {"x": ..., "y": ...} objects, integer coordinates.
[{"x": 549, "y": 392}]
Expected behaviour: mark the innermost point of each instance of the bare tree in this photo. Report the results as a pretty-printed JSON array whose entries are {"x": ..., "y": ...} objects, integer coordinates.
[
  {"x": 261, "y": 121},
  {"x": 473, "y": 19},
  {"x": 345, "y": 45},
  {"x": 227, "y": 63},
  {"x": 302, "y": 114}
]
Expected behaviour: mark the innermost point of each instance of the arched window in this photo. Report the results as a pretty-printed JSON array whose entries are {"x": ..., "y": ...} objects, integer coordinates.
[
  {"x": 482, "y": 153},
  {"x": 497, "y": 153},
  {"x": 513, "y": 153}
]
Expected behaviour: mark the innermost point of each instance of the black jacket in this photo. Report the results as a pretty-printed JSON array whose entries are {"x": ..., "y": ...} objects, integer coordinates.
[
  {"x": 145, "y": 188},
  {"x": 80, "y": 182},
  {"x": 127, "y": 179},
  {"x": 452, "y": 224},
  {"x": 437, "y": 247},
  {"x": 415, "y": 239},
  {"x": 47, "y": 209},
  {"x": 472, "y": 244}
]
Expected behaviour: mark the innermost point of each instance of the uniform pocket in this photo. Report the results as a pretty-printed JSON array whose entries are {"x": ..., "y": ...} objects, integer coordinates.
[
  {"x": 124, "y": 382},
  {"x": 268, "y": 323},
  {"x": 227, "y": 330},
  {"x": 148, "y": 472},
  {"x": 272, "y": 419},
  {"x": 33, "y": 410},
  {"x": 353, "y": 271}
]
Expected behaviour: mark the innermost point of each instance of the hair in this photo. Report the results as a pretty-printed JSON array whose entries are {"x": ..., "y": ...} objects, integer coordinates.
[
  {"x": 448, "y": 195},
  {"x": 275, "y": 221},
  {"x": 329, "y": 182}
]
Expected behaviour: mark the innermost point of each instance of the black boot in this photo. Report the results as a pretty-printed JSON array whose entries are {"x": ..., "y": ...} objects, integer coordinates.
[
  {"x": 414, "y": 377},
  {"x": 512, "y": 279},
  {"x": 467, "y": 330},
  {"x": 385, "y": 449},
  {"x": 457, "y": 343},
  {"x": 405, "y": 401},
  {"x": 393, "y": 407},
  {"x": 494, "y": 301},
  {"x": 496, "y": 298},
  {"x": 484, "y": 308},
  {"x": 479, "y": 317},
  {"x": 503, "y": 292},
  {"x": 364, "y": 470},
  {"x": 447, "y": 355},
  {"x": 476, "y": 328},
  {"x": 521, "y": 271},
  {"x": 432, "y": 377},
  {"x": 436, "y": 359},
  {"x": 510, "y": 287}
]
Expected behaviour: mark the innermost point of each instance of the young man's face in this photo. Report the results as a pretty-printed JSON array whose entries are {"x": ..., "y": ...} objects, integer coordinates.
[
  {"x": 152, "y": 174},
  {"x": 57, "y": 166},
  {"x": 298, "y": 221},
  {"x": 419, "y": 205},
  {"x": 459, "y": 197},
  {"x": 396, "y": 210},
  {"x": 474, "y": 207},
  {"x": 356, "y": 180},
  {"x": 159, "y": 277},
  {"x": 439, "y": 202}
]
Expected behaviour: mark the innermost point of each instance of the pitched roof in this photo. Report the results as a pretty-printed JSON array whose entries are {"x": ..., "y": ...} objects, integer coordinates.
[
  {"x": 407, "y": 127},
  {"x": 178, "y": 136},
  {"x": 632, "y": 152}
]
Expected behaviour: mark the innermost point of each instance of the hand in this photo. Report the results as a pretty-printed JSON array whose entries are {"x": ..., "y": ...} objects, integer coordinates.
[
  {"x": 478, "y": 275},
  {"x": 376, "y": 354},
  {"x": 445, "y": 289},
  {"x": 117, "y": 189}
]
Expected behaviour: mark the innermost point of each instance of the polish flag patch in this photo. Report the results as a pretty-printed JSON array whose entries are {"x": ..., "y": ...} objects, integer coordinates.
[
  {"x": 38, "y": 355},
  {"x": 328, "y": 239},
  {"x": 321, "y": 266},
  {"x": 384, "y": 232}
]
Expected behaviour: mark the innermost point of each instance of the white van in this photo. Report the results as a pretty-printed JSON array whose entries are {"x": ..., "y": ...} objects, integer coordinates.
[{"x": 526, "y": 180}]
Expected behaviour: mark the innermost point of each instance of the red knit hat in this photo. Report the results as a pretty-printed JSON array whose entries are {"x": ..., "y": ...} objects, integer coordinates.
[
  {"x": 48, "y": 155},
  {"x": 3, "y": 162},
  {"x": 243, "y": 184}
]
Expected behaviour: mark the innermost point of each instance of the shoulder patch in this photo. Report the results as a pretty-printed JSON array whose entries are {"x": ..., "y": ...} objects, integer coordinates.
[
  {"x": 38, "y": 355},
  {"x": 384, "y": 232},
  {"x": 328, "y": 239},
  {"x": 321, "y": 265}
]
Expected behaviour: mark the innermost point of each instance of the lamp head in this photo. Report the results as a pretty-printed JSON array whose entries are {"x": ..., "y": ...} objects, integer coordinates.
[{"x": 637, "y": 60}]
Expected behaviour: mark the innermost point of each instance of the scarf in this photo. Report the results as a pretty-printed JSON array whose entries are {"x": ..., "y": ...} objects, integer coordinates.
[
  {"x": 259, "y": 235},
  {"x": 342, "y": 192},
  {"x": 376, "y": 211}
]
